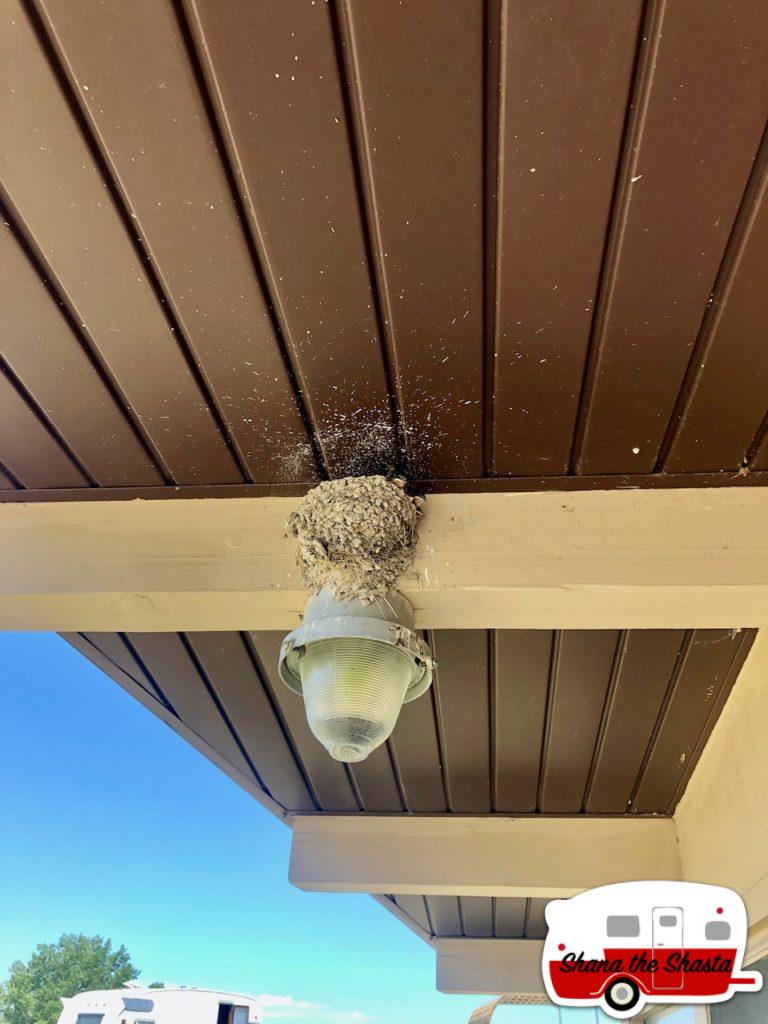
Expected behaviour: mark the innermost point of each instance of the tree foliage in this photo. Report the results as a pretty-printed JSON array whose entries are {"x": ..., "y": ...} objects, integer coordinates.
[{"x": 76, "y": 963}]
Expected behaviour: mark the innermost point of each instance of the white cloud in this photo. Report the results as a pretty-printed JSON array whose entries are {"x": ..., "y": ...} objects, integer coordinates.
[{"x": 279, "y": 1007}]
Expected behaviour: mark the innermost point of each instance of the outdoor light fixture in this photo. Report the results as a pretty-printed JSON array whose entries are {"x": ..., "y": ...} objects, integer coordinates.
[{"x": 355, "y": 665}]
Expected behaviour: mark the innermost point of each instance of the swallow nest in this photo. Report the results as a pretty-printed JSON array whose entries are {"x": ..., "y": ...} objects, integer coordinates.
[{"x": 356, "y": 536}]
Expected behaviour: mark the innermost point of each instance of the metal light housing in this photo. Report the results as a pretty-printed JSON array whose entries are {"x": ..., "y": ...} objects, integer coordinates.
[{"x": 355, "y": 665}]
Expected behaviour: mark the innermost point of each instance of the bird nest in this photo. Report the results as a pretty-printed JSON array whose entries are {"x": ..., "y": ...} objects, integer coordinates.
[{"x": 356, "y": 536}]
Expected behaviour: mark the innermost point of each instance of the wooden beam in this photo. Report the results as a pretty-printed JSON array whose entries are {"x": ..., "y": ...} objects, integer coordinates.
[
  {"x": 722, "y": 820},
  {"x": 489, "y": 965},
  {"x": 493, "y": 856},
  {"x": 606, "y": 559}
]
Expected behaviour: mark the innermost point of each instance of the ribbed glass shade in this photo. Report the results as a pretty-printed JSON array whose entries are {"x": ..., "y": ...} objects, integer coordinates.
[{"x": 353, "y": 692}]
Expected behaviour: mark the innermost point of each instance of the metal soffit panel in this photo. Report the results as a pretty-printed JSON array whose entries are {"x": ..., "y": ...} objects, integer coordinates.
[
  {"x": 517, "y": 722},
  {"x": 575, "y": 722},
  {"x": 497, "y": 245}
]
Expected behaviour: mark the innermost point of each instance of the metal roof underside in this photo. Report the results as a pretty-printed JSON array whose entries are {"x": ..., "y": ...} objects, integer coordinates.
[
  {"x": 516, "y": 722},
  {"x": 265, "y": 243},
  {"x": 495, "y": 244}
]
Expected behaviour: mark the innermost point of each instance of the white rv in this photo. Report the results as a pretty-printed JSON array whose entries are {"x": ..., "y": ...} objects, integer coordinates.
[{"x": 136, "y": 1005}]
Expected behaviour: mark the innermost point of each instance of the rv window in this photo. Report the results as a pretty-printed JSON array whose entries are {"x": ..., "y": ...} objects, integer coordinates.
[
  {"x": 668, "y": 920},
  {"x": 240, "y": 1015},
  {"x": 627, "y": 927},
  {"x": 136, "y": 1005},
  {"x": 717, "y": 930},
  {"x": 90, "y": 1018}
]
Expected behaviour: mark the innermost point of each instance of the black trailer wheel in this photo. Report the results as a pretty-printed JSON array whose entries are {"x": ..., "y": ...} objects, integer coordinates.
[{"x": 622, "y": 994}]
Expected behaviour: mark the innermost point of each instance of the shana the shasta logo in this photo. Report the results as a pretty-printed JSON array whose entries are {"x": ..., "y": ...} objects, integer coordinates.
[{"x": 622, "y": 946}]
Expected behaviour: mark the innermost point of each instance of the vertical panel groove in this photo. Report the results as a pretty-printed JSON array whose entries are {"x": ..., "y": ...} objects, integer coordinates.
[
  {"x": 145, "y": 669},
  {"x": 734, "y": 248},
  {"x": 39, "y": 414},
  {"x": 192, "y": 654},
  {"x": 621, "y": 647},
  {"x": 649, "y": 38},
  {"x": 354, "y": 786},
  {"x": 219, "y": 126},
  {"x": 492, "y": 715},
  {"x": 494, "y": 13},
  {"x": 122, "y": 207},
  {"x": 682, "y": 658},
  {"x": 440, "y": 732},
  {"x": 349, "y": 62},
  {"x": 258, "y": 669},
  {"x": 397, "y": 774},
  {"x": 77, "y": 330},
  {"x": 757, "y": 443},
  {"x": 346, "y": 60},
  {"x": 13, "y": 479},
  {"x": 557, "y": 639}
]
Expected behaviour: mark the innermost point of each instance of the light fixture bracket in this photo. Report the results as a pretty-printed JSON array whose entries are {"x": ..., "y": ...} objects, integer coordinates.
[{"x": 388, "y": 620}]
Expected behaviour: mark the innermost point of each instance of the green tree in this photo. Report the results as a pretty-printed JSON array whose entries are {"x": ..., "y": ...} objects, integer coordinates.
[{"x": 76, "y": 963}]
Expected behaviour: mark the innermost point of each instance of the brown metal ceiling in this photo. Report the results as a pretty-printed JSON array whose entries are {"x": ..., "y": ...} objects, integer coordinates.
[
  {"x": 475, "y": 917},
  {"x": 517, "y": 721},
  {"x": 264, "y": 243}
]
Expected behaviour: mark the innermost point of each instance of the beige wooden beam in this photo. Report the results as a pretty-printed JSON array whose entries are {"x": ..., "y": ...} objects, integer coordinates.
[
  {"x": 643, "y": 559},
  {"x": 722, "y": 820},
  {"x": 493, "y": 856},
  {"x": 489, "y": 965}
]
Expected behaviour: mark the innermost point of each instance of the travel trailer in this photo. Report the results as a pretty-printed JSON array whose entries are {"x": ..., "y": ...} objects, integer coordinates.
[
  {"x": 138, "y": 1005},
  {"x": 622, "y": 946}
]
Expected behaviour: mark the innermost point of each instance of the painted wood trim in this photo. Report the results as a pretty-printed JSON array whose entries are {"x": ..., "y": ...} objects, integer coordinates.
[
  {"x": 546, "y": 857},
  {"x": 480, "y": 966},
  {"x": 607, "y": 559}
]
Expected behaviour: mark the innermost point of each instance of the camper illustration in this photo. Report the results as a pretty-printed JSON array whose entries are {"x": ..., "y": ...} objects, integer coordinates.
[{"x": 622, "y": 946}]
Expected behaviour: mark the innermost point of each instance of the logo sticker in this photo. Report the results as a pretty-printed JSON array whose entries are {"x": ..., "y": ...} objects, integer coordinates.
[{"x": 622, "y": 946}]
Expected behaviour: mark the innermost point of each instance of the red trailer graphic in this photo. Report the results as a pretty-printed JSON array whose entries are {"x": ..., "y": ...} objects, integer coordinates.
[{"x": 622, "y": 946}]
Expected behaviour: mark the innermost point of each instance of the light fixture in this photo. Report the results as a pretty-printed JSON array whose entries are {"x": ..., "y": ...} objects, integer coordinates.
[{"x": 355, "y": 665}]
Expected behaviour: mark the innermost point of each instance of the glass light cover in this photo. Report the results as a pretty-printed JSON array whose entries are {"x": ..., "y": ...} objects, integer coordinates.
[{"x": 353, "y": 691}]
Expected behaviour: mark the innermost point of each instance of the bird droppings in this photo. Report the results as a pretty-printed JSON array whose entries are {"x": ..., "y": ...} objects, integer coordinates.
[{"x": 356, "y": 536}]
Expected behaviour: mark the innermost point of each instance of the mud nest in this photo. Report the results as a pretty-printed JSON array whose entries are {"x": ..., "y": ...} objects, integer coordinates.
[{"x": 356, "y": 536}]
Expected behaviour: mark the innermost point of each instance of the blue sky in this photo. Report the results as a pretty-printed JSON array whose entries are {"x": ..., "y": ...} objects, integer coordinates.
[{"x": 113, "y": 825}]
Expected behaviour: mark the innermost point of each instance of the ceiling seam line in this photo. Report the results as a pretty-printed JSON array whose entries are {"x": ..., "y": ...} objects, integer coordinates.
[
  {"x": 50, "y": 283},
  {"x": 258, "y": 670},
  {"x": 240, "y": 192},
  {"x": 209, "y": 686},
  {"x": 428, "y": 915},
  {"x": 733, "y": 253},
  {"x": 354, "y": 787},
  {"x": 98, "y": 152},
  {"x": 757, "y": 443},
  {"x": 128, "y": 643},
  {"x": 669, "y": 694},
  {"x": 439, "y": 727},
  {"x": 18, "y": 485},
  {"x": 350, "y": 64},
  {"x": 399, "y": 784},
  {"x": 526, "y": 916},
  {"x": 554, "y": 667},
  {"x": 647, "y": 45},
  {"x": 363, "y": 178},
  {"x": 118, "y": 668},
  {"x": 45, "y": 422},
  {"x": 492, "y": 688},
  {"x": 602, "y": 729},
  {"x": 494, "y": 104}
]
